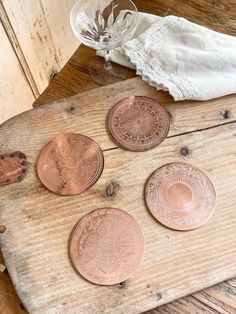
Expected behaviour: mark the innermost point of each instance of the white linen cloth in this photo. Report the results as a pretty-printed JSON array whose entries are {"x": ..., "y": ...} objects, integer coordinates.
[{"x": 186, "y": 59}]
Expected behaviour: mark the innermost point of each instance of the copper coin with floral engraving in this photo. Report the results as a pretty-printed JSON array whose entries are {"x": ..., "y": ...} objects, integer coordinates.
[
  {"x": 138, "y": 123},
  {"x": 106, "y": 246},
  {"x": 180, "y": 196},
  {"x": 70, "y": 164}
]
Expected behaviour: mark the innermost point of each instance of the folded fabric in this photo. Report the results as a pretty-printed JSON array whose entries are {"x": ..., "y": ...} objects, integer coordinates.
[{"x": 186, "y": 59}]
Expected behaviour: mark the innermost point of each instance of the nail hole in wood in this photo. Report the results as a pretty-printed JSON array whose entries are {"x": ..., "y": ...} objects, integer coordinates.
[
  {"x": 2, "y": 229},
  {"x": 184, "y": 151},
  {"x": 159, "y": 296},
  {"x": 21, "y": 155},
  {"x": 53, "y": 74},
  {"x": 225, "y": 114},
  {"x": 70, "y": 109}
]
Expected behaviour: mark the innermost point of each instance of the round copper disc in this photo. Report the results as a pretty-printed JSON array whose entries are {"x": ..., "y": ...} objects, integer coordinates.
[
  {"x": 138, "y": 123},
  {"x": 180, "y": 196},
  {"x": 70, "y": 164},
  {"x": 106, "y": 246}
]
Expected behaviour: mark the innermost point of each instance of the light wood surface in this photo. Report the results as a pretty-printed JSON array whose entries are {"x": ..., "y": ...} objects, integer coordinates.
[
  {"x": 44, "y": 36},
  {"x": 15, "y": 94},
  {"x": 176, "y": 263},
  {"x": 36, "y": 42}
]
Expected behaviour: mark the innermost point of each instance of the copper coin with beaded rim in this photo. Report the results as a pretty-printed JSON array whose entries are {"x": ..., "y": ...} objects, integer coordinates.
[
  {"x": 70, "y": 164},
  {"x": 106, "y": 246},
  {"x": 180, "y": 196},
  {"x": 138, "y": 123}
]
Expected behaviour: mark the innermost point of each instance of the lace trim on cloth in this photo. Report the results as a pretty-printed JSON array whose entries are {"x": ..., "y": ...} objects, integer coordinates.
[{"x": 153, "y": 73}]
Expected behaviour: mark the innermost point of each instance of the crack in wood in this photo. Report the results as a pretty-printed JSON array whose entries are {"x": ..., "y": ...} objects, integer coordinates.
[{"x": 184, "y": 133}]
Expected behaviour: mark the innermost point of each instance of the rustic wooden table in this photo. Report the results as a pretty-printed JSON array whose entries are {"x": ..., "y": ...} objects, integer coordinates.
[{"x": 218, "y": 15}]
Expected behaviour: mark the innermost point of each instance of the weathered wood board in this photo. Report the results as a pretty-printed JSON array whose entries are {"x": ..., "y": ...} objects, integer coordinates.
[
  {"x": 175, "y": 264},
  {"x": 13, "y": 84},
  {"x": 42, "y": 37}
]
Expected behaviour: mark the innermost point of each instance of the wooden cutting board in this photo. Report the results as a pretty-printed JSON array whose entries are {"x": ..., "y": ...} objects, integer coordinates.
[{"x": 38, "y": 222}]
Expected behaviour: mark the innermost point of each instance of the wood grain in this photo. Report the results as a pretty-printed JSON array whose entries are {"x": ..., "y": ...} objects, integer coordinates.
[
  {"x": 17, "y": 49},
  {"x": 218, "y": 15},
  {"x": 9, "y": 301},
  {"x": 57, "y": 16},
  {"x": 216, "y": 299},
  {"x": 44, "y": 36},
  {"x": 188, "y": 116},
  {"x": 13, "y": 83},
  {"x": 175, "y": 263}
]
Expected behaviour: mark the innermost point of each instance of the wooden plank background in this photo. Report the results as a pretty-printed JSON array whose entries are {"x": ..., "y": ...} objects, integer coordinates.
[
  {"x": 15, "y": 93},
  {"x": 43, "y": 34},
  {"x": 36, "y": 40}
]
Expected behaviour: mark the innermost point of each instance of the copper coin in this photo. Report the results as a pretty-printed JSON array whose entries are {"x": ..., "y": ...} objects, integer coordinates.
[
  {"x": 138, "y": 123},
  {"x": 180, "y": 196},
  {"x": 106, "y": 246},
  {"x": 70, "y": 164}
]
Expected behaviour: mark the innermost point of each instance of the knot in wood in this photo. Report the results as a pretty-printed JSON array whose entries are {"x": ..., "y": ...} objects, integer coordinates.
[{"x": 112, "y": 189}]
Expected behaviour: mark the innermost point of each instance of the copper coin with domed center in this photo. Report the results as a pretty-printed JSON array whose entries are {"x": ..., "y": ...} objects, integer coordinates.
[
  {"x": 106, "y": 246},
  {"x": 138, "y": 123},
  {"x": 180, "y": 196},
  {"x": 70, "y": 164}
]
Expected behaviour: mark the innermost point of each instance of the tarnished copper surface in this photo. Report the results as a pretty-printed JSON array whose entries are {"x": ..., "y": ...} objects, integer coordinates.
[
  {"x": 70, "y": 164},
  {"x": 13, "y": 168},
  {"x": 180, "y": 196},
  {"x": 138, "y": 123},
  {"x": 106, "y": 246}
]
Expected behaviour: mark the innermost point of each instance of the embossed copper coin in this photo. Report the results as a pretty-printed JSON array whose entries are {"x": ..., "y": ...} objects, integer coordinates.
[
  {"x": 138, "y": 123},
  {"x": 180, "y": 196},
  {"x": 106, "y": 246},
  {"x": 13, "y": 168},
  {"x": 70, "y": 164}
]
